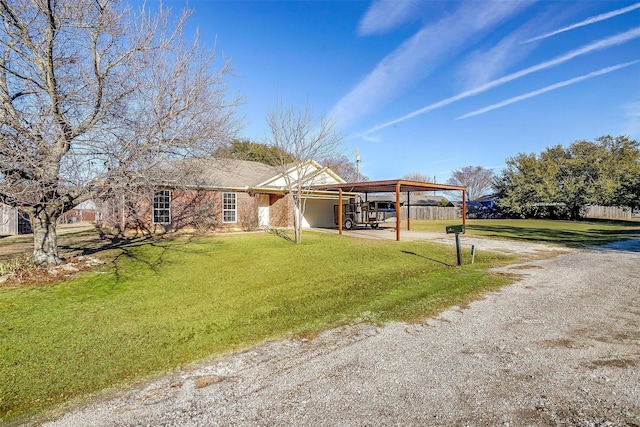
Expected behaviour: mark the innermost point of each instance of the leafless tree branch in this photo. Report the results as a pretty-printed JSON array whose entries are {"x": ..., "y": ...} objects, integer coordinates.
[
  {"x": 93, "y": 97},
  {"x": 298, "y": 133}
]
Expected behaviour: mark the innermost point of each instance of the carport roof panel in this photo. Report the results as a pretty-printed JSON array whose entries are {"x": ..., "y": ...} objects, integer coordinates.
[{"x": 388, "y": 186}]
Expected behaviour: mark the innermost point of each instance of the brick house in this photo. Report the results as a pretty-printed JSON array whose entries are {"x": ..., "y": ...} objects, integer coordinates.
[
  {"x": 215, "y": 193},
  {"x": 86, "y": 211}
]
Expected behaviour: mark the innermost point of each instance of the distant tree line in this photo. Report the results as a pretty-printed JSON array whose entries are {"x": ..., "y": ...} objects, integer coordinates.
[{"x": 561, "y": 182}]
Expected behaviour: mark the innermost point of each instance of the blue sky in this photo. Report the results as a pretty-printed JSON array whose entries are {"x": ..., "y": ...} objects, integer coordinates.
[{"x": 432, "y": 86}]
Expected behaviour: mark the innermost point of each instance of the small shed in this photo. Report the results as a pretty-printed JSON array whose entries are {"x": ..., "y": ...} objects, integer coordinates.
[{"x": 13, "y": 221}]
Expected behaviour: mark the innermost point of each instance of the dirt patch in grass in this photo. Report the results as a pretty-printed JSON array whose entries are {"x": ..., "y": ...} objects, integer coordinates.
[
  {"x": 524, "y": 267},
  {"x": 45, "y": 275},
  {"x": 77, "y": 245}
]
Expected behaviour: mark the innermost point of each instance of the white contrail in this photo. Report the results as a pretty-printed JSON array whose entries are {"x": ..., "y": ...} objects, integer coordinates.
[
  {"x": 548, "y": 89},
  {"x": 588, "y": 21},
  {"x": 597, "y": 45},
  {"x": 426, "y": 50}
]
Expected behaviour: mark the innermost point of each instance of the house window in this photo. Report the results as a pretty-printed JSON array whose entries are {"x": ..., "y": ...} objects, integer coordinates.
[
  {"x": 162, "y": 207},
  {"x": 229, "y": 207}
]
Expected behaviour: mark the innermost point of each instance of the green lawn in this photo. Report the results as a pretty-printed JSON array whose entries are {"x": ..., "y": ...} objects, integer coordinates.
[
  {"x": 565, "y": 233},
  {"x": 163, "y": 303}
]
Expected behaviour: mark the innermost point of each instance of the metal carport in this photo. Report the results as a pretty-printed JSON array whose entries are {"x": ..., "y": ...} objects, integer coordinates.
[{"x": 391, "y": 186}]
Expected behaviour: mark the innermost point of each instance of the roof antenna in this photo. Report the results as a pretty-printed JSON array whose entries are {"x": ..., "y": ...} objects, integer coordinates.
[{"x": 357, "y": 165}]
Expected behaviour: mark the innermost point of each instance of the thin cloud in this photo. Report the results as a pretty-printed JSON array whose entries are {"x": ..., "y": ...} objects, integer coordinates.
[
  {"x": 592, "y": 47},
  {"x": 385, "y": 15},
  {"x": 482, "y": 67},
  {"x": 547, "y": 89},
  {"x": 371, "y": 138},
  {"x": 633, "y": 109},
  {"x": 588, "y": 21},
  {"x": 632, "y": 127},
  {"x": 420, "y": 54}
]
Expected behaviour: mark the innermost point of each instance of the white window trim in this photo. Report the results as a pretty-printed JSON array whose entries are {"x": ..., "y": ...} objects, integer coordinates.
[
  {"x": 153, "y": 214},
  {"x": 234, "y": 210}
]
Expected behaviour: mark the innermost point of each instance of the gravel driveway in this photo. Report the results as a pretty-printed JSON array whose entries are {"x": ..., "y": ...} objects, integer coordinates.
[{"x": 559, "y": 347}]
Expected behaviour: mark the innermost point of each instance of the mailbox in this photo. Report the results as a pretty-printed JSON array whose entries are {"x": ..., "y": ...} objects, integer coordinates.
[{"x": 455, "y": 229}]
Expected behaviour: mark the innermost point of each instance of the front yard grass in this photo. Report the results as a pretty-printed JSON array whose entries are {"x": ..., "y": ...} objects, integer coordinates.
[
  {"x": 163, "y": 303},
  {"x": 565, "y": 233}
]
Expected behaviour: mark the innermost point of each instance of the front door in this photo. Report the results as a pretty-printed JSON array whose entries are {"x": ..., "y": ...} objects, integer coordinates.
[{"x": 263, "y": 210}]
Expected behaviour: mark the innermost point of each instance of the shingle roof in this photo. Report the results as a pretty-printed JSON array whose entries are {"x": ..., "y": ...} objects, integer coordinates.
[{"x": 214, "y": 172}]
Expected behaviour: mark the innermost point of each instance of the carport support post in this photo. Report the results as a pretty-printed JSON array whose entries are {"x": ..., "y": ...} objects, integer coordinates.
[
  {"x": 408, "y": 211},
  {"x": 398, "y": 212},
  {"x": 464, "y": 209},
  {"x": 340, "y": 211}
]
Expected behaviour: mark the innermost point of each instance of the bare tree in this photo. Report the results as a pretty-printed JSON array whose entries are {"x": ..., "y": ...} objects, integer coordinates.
[
  {"x": 298, "y": 133},
  {"x": 419, "y": 177},
  {"x": 94, "y": 96},
  {"x": 344, "y": 167},
  {"x": 477, "y": 179}
]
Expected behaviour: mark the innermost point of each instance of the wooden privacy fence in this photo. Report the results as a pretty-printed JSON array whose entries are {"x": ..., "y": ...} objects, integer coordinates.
[
  {"x": 608, "y": 212},
  {"x": 430, "y": 212}
]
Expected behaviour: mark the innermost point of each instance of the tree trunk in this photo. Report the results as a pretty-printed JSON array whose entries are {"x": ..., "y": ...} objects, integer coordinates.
[
  {"x": 297, "y": 223},
  {"x": 45, "y": 239},
  {"x": 575, "y": 213}
]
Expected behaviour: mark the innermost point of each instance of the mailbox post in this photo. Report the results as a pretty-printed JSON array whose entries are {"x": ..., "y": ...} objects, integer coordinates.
[{"x": 456, "y": 229}]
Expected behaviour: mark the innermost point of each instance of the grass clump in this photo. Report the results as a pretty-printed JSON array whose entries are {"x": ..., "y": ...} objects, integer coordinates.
[
  {"x": 17, "y": 266},
  {"x": 164, "y": 303}
]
